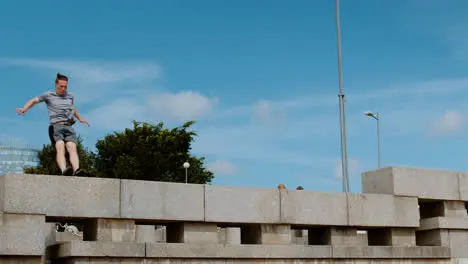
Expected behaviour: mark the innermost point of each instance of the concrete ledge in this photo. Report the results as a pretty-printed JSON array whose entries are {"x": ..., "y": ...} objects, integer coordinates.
[
  {"x": 313, "y": 208},
  {"x": 96, "y": 249},
  {"x": 162, "y": 201},
  {"x": 242, "y": 205},
  {"x": 389, "y": 252},
  {"x": 59, "y": 196},
  {"x": 197, "y": 251},
  {"x": 443, "y": 223},
  {"x": 415, "y": 182},
  {"x": 378, "y": 210},
  {"x": 237, "y": 251}
]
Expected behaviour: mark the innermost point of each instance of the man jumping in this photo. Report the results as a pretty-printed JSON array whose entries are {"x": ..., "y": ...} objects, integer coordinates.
[{"x": 62, "y": 111}]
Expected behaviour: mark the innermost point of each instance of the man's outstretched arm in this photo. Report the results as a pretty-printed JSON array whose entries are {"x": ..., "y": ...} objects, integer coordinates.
[
  {"x": 79, "y": 117},
  {"x": 27, "y": 106}
]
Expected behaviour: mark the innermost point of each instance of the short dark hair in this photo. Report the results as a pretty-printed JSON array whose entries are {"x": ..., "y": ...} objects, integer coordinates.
[{"x": 61, "y": 77}]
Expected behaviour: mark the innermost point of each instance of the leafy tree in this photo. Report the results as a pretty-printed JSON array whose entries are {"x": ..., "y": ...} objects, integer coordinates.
[
  {"x": 48, "y": 165},
  {"x": 150, "y": 152}
]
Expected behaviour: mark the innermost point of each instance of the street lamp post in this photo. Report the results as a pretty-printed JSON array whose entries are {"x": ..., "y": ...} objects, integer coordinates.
[
  {"x": 376, "y": 116},
  {"x": 186, "y": 166},
  {"x": 341, "y": 97}
]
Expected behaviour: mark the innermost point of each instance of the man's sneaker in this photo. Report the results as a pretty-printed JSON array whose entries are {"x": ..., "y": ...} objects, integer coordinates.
[
  {"x": 68, "y": 171},
  {"x": 78, "y": 172}
]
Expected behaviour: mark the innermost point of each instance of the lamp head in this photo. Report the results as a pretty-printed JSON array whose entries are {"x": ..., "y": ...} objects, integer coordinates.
[
  {"x": 186, "y": 165},
  {"x": 368, "y": 113}
]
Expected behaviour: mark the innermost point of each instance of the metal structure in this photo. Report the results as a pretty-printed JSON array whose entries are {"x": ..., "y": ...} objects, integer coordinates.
[
  {"x": 341, "y": 96},
  {"x": 14, "y": 159},
  {"x": 376, "y": 117}
]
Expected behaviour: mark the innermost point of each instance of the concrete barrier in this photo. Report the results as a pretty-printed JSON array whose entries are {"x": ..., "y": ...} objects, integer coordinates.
[{"x": 395, "y": 220}]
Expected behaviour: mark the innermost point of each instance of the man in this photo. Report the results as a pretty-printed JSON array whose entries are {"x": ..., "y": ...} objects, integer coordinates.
[{"x": 62, "y": 111}]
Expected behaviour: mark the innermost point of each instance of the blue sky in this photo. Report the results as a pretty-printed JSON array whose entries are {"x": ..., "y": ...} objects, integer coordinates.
[{"x": 259, "y": 77}]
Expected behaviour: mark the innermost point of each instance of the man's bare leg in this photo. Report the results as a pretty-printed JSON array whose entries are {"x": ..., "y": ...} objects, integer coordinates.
[
  {"x": 60, "y": 149},
  {"x": 74, "y": 160}
]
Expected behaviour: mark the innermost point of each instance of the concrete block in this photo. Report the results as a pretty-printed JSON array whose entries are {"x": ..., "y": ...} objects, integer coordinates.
[
  {"x": 343, "y": 236},
  {"x": 463, "y": 185},
  {"x": 266, "y": 234},
  {"x": 379, "y": 210},
  {"x": 96, "y": 249},
  {"x": 25, "y": 240},
  {"x": 160, "y": 234},
  {"x": 391, "y": 253},
  {"x": 454, "y": 209},
  {"x": 60, "y": 196},
  {"x": 435, "y": 237},
  {"x": 233, "y": 235},
  {"x": 458, "y": 243},
  {"x": 145, "y": 233},
  {"x": 392, "y": 237},
  {"x": 241, "y": 205},
  {"x": 162, "y": 201},
  {"x": 192, "y": 233},
  {"x": 107, "y": 230},
  {"x": 335, "y": 236},
  {"x": 415, "y": 182},
  {"x": 250, "y": 253},
  {"x": 21, "y": 220},
  {"x": 430, "y": 209},
  {"x": 21, "y": 259},
  {"x": 313, "y": 208},
  {"x": 444, "y": 223}
]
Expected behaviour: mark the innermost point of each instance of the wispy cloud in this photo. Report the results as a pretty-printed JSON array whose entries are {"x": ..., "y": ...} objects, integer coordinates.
[
  {"x": 406, "y": 91},
  {"x": 222, "y": 167},
  {"x": 94, "y": 71},
  {"x": 294, "y": 130},
  {"x": 182, "y": 106},
  {"x": 451, "y": 122},
  {"x": 94, "y": 80},
  {"x": 121, "y": 91}
]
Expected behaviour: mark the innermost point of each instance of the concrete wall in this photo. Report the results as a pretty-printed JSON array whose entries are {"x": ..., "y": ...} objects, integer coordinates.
[{"x": 421, "y": 221}]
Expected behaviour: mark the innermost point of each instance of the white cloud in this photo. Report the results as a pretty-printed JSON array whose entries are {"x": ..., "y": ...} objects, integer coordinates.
[
  {"x": 96, "y": 72},
  {"x": 94, "y": 80},
  {"x": 265, "y": 113},
  {"x": 450, "y": 123},
  {"x": 406, "y": 91},
  {"x": 106, "y": 85},
  {"x": 222, "y": 167},
  {"x": 182, "y": 106},
  {"x": 118, "y": 114}
]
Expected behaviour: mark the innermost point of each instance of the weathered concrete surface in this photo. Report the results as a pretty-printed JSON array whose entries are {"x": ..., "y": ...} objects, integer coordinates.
[
  {"x": 241, "y": 205},
  {"x": 162, "y": 201},
  {"x": 59, "y": 196},
  {"x": 26, "y": 235},
  {"x": 444, "y": 223},
  {"x": 122, "y": 216},
  {"x": 19, "y": 260},
  {"x": 100, "y": 249},
  {"x": 97, "y": 249},
  {"x": 119, "y": 230},
  {"x": 313, "y": 208},
  {"x": 416, "y": 182},
  {"x": 269, "y": 261},
  {"x": 195, "y": 233},
  {"x": 377, "y": 210}
]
